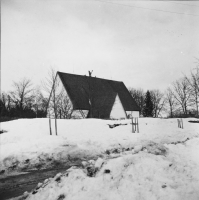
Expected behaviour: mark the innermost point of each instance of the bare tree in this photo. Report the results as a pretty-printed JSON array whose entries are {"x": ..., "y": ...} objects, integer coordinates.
[
  {"x": 158, "y": 102},
  {"x": 170, "y": 101},
  {"x": 22, "y": 94},
  {"x": 50, "y": 86},
  {"x": 194, "y": 88},
  {"x": 64, "y": 106},
  {"x": 49, "y": 81},
  {"x": 4, "y": 104},
  {"x": 59, "y": 105},
  {"x": 40, "y": 103},
  {"x": 182, "y": 94},
  {"x": 139, "y": 96}
]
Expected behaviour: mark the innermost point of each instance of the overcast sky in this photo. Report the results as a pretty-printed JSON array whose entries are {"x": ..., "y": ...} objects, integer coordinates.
[{"x": 134, "y": 42}]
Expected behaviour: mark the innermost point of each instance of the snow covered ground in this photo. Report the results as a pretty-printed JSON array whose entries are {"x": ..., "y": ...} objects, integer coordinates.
[{"x": 160, "y": 162}]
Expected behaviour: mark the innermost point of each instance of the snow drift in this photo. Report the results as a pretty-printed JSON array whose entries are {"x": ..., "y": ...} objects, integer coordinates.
[{"x": 160, "y": 162}]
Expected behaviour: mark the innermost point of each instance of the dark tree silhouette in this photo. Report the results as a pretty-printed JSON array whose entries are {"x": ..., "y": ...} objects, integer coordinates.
[{"x": 148, "y": 105}]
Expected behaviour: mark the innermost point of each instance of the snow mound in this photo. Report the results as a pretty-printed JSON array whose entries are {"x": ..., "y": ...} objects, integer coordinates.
[{"x": 139, "y": 176}]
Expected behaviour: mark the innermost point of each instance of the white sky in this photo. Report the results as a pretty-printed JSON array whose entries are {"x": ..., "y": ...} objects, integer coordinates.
[{"x": 143, "y": 48}]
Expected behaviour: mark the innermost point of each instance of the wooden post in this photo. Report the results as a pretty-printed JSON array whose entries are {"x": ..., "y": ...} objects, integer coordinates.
[
  {"x": 137, "y": 125},
  {"x": 182, "y": 123},
  {"x": 50, "y": 126},
  {"x": 132, "y": 126},
  {"x": 56, "y": 124},
  {"x": 55, "y": 111}
]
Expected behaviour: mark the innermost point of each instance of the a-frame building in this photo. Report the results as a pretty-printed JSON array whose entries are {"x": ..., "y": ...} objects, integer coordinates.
[{"x": 93, "y": 97}]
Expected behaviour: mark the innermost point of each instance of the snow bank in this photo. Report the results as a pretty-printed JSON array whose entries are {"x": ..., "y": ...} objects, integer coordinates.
[
  {"x": 160, "y": 162},
  {"x": 28, "y": 145},
  {"x": 138, "y": 176}
]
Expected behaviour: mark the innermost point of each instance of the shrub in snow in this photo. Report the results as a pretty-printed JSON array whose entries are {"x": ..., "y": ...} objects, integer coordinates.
[
  {"x": 61, "y": 197},
  {"x": 107, "y": 152},
  {"x": 91, "y": 171},
  {"x": 107, "y": 171},
  {"x": 157, "y": 149},
  {"x": 118, "y": 150},
  {"x": 91, "y": 167}
]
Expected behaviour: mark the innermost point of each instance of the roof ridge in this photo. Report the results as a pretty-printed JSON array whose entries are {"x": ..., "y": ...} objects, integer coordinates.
[{"x": 88, "y": 76}]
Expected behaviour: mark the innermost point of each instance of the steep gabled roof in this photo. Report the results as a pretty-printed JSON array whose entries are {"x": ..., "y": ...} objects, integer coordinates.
[{"x": 102, "y": 91}]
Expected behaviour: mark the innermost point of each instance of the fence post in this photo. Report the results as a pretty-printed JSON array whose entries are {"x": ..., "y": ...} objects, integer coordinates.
[
  {"x": 56, "y": 125},
  {"x": 181, "y": 123},
  {"x": 50, "y": 126},
  {"x": 178, "y": 123},
  {"x": 135, "y": 123},
  {"x": 133, "y": 131}
]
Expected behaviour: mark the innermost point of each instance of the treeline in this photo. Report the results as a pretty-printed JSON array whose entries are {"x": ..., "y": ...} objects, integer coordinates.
[
  {"x": 23, "y": 101},
  {"x": 28, "y": 101},
  {"x": 181, "y": 99}
]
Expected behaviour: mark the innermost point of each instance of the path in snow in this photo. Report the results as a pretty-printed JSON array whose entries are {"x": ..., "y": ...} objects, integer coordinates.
[{"x": 13, "y": 186}]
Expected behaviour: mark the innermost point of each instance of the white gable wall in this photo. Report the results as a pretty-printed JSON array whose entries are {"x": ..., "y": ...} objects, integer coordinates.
[{"x": 117, "y": 111}]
